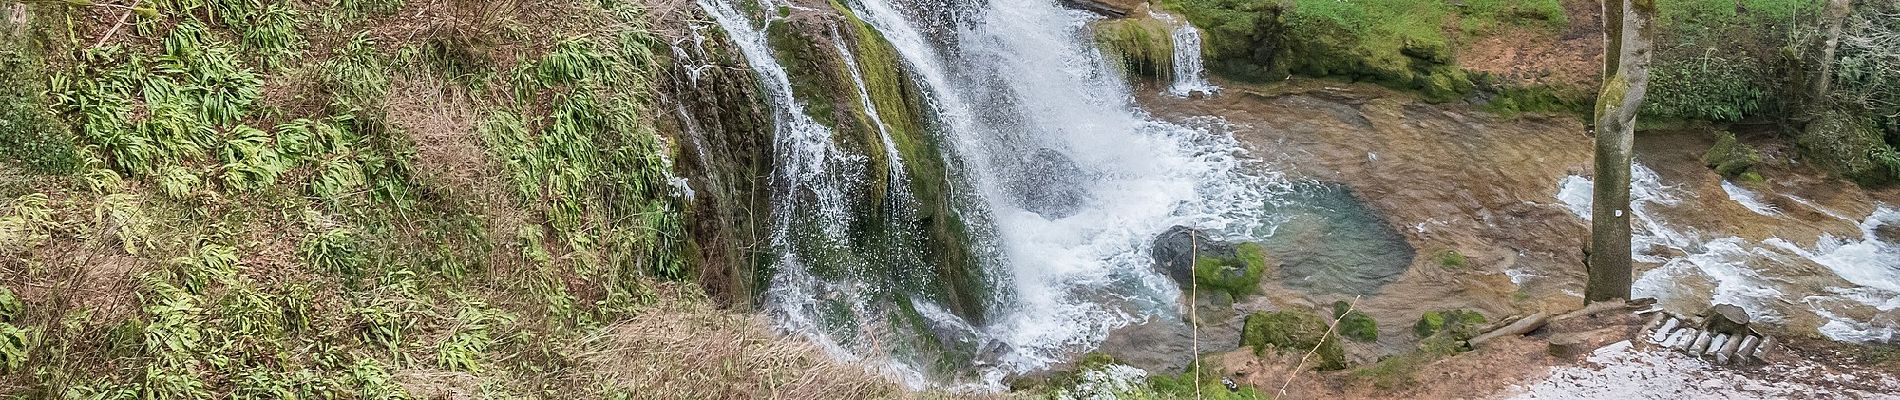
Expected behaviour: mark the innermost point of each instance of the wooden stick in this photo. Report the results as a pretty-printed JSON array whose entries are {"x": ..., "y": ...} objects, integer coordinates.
[
  {"x": 127, "y": 16},
  {"x": 1520, "y": 327}
]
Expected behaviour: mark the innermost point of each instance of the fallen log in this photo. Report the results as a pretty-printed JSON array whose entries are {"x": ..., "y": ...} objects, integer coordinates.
[{"x": 1522, "y": 326}]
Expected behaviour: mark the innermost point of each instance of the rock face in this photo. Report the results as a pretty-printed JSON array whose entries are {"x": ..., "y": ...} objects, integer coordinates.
[
  {"x": 1175, "y": 251},
  {"x": 1729, "y": 319},
  {"x": 1108, "y": 8}
]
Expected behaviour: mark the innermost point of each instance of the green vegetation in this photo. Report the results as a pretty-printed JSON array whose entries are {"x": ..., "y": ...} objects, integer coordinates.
[
  {"x": 1294, "y": 332},
  {"x": 1238, "y": 276},
  {"x": 1353, "y": 324},
  {"x": 237, "y": 214},
  {"x": 1458, "y": 324},
  {"x": 1405, "y": 45},
  {"x": 30, "y": 134},
  {"x": 1451, "y": 259},
  {"x": 1513, "y": 100},
  {"x": 1732, "y": 159},
  {"x": 1401, "y": 370},
  {"x": 1088, "y": 378},
  {"x": 1142, "y": 47},
  {"x": 1850, "y": 145}
]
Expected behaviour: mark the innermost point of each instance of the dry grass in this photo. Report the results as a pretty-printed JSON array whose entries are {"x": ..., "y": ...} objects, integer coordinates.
[{"x": 690, "y": 350}]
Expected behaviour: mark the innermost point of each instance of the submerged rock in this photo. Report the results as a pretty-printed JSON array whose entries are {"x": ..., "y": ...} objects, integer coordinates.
[{"x": 1050, "y": 184}]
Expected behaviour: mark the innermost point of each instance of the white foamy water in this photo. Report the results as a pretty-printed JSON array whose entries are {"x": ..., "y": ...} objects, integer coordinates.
[
  {"x": 1748, "y": 199},
  {"x": 1754, "y": 274},
  {"x": 1190, "y": 76},
  {"x": 1028, "y": 111},
  {"x": 1074, "y": 277}
]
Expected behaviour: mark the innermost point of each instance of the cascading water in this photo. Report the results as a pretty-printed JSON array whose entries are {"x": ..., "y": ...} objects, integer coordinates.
[
  {"x": 1857, "y": 304},
  {"x": 1066, "y": 182},
  {"x": 1190, "y": 76}
]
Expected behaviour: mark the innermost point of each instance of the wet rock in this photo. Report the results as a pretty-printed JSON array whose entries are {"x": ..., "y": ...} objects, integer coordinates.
[
  {"x": 1889, "y": 233},
  {"x": 1175, "y": 251},
  {"x": 1107, "y": 8},
  {"x": 1167, "y": 344},
  {"x": 1729, "y": 319},
  {"x": 1050, "y": 184}
]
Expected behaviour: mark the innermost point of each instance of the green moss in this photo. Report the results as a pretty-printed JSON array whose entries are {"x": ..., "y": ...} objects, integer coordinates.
[
  {"x": 1730, "y": 157},
  {"x": 1401, "y": 370},
  {"x": 1850, "y": 145},
  {"x": 1459, "y": 324},
  {"x": 1451, "y": 259},
  {"x": 1538, "y": 99},
  {"x": 1293, "y": 332},
  {"x": 1238, "y": 276},
  {"x": 1353, "y": 324},
  {"x": 1399, "y": 44},
  {"x": 1142, "y": 47}
]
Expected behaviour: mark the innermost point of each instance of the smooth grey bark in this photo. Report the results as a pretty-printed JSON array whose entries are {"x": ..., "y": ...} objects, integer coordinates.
[
  {"x": 1823, "y": 80},
  {"x": 1627, "y": 39}
]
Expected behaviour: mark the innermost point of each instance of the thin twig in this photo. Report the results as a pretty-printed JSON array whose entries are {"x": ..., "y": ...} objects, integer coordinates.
[
  {"x": 1322, "y": 342},
  {"x": 127, "y": 16}
]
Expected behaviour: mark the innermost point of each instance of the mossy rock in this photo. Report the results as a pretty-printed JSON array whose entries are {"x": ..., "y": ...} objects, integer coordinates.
[
  {"x": 1238, "y": 276},
  {"x": 1353, "y": 324},
  {"x": 1460, "y": 324},
  {"x": 1294, "y": 332},
  {"x": 1851, "y": 145},
  {"x": 1730, "y": 157},
  {"x": 1142, "y": 47}
]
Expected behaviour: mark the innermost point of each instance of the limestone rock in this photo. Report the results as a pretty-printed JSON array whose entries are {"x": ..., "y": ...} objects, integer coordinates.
[
  {"x": 1175, "y": 250},
  {"x": 1729, "y": 319}
]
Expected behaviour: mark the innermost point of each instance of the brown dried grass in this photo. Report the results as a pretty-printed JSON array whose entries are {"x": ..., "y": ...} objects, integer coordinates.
[{"x": 691, "y": 350}]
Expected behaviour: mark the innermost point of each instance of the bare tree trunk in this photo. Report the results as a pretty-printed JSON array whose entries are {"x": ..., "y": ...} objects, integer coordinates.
[
  {"x": 1627, "y": 37},
  {"x": 1823, "y": 79}
]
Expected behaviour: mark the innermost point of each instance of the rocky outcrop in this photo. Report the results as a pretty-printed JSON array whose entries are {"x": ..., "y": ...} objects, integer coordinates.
[{"x": 1107, "y": 8}]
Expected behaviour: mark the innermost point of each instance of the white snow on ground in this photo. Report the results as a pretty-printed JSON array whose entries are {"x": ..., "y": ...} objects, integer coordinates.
[{"x": 1621, "y": 371}]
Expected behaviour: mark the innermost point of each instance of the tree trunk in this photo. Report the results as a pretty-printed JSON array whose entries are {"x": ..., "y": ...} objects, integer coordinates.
[
  {"x": 1629, "y": 45},
  {"x": 1823, "y": 79}
]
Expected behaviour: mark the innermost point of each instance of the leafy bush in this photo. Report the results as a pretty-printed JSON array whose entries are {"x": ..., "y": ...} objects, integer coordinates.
[
  {"x": 1851, "y": 145},
  {"x": 1712, "y": 87}
]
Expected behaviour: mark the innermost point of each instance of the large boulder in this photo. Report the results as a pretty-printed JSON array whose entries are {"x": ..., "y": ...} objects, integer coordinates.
[
  {"x": 1728, "y": 318},
  {"x": 1175, "y": 251}
]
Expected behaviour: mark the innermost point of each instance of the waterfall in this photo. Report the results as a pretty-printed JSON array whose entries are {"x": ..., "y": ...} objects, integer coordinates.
[
  {"x": 1078, "y": 180},
  {"x": 1189, "y": 75},
  {"x": 810, "y": 204},
  {"x": 1064, "y": 181}
]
